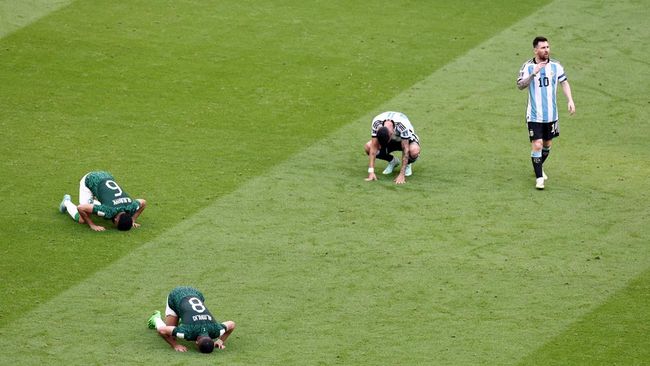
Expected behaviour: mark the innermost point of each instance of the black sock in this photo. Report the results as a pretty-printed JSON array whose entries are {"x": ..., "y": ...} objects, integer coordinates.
[
  {"x": 537, "y": 166},
  {"x": 545, "y": 152}
]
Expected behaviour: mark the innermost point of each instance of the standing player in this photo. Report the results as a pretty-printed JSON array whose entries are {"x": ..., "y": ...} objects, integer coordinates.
[
  {"x": 392, "y": 131},
  {"x": 197, "y": 323},
  {"x": 100, "y": 195},
  {"x": 541, "y": 75}
]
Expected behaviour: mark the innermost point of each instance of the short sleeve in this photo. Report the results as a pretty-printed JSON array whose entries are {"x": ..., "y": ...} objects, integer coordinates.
[{"x": 524, "y": 72}]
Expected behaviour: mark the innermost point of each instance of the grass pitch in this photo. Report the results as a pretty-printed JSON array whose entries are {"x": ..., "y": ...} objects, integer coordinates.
[{"x": 311, "y": 261}]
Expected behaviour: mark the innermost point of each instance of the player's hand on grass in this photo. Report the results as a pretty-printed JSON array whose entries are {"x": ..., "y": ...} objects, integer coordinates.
[
  {"x": 400, "y": 179},
  {"x": 219, "y": 344},
  {"x": 371, "y": 177},
  {"x": 98, "y": 228},
  {"x": 180, "y": 348},
  {"x": 135, "y": 224}
]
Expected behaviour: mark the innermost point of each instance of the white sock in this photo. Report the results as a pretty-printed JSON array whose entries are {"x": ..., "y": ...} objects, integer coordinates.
[
  {"x": 159, "y": 323},
  {"x": 72, "y": 210}
]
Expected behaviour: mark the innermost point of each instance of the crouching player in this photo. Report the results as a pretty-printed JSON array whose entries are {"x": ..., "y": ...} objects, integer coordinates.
[{"x": 196, "y": 322}]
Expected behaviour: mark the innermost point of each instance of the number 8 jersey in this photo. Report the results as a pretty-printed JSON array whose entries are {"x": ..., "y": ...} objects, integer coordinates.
[
  {"x": 187, "y": 304},
  {"x": 542, "y": 90}
]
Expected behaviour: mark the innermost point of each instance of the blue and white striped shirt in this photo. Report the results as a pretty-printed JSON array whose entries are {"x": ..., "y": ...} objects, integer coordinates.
[{"x": 542, "y": 90}]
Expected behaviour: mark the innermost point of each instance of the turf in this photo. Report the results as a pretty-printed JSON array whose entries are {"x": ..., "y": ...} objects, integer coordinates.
[
  {"x": 184, "y": 104},
  {"x": 466, "y": 264}
]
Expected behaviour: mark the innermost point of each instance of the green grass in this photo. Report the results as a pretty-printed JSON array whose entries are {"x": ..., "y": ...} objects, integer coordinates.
[
  {"x": 279, "y": 229},
  {"x": 153, "y": 97},
  {"x": 615, "y": 333}
]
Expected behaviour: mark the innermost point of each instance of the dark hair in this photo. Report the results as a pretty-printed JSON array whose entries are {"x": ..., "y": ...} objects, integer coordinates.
[
  {"x": 539, "y": 39},
  {"x": 383, "y": 136},
  {"x": 206, "y": 345},
  {"x": 125, "y": 222}
]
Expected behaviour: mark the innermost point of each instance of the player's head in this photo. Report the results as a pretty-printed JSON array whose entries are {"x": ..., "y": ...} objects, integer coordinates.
[
  {"x": 539, "y": 39},
  {"x": 383, "y": 136},
  {"x": 123, "y": 221},
  {"x": 541, "y": 48},
  {"x": 205, "y": 344}
]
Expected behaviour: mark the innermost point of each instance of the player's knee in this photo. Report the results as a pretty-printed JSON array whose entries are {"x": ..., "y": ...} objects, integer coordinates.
[
  {"x": 414, "y": 152},
  {"x": 414, "y": 147},
  {"x": 230, "y": 325},
  {"x": 537, "y": 145}
]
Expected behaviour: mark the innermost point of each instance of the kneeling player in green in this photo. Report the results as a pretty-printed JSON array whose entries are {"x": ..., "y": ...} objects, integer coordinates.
[
  {"x": 100, "y": 195},
  {"x": 197, "y": 323}
]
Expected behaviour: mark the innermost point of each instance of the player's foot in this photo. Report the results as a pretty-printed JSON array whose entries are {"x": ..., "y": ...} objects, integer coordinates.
[
  {"x": 152, "y": 319},
  {"x": 544, "y": 175},
  {"x": 389, "y": 169},
  {"x": 62, "y": 208},
  {"x": 408, "y": 171},
  {"x": 539, "y": 183}
]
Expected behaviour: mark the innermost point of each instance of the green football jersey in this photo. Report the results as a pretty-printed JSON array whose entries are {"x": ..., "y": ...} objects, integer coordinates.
[
  {"x": 195, "y": 318},
  {"x": 113, "y": 199}
]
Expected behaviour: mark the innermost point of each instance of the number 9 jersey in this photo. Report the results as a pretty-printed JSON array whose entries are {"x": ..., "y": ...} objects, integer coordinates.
[{"x": 113, "y": 199}]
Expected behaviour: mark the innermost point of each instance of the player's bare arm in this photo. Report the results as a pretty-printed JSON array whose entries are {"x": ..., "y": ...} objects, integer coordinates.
[
  {"x": 166, "y": 333},
  {"x": 373, "y": 148},
  {"x": 230, "y": 326},
  {"x": 143, "y": 204},
  {"x": 523, "y": 83},
  {"x": 401, "y": 177},
  {"x": 85, "y": 210},
  {"x": 566, "y": 89}
]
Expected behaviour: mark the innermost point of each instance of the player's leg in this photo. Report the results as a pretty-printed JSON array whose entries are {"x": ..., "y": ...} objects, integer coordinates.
[
  {"x": 367, "y": 146},
  {"x": 536, "y": 158},
  {"x": 414, "y": 153},
  {"x": 85, "y": 195},
  {"x": 546, "y": 150},
  {"x": 171, "y": 318},
  {"x": 68, "y": 206},
  {"x": 551, "y": 131},
  {"x": 536, "y": 134},
  {"x": 385, "y": 154},
  {"x": 230, "y": 326}
]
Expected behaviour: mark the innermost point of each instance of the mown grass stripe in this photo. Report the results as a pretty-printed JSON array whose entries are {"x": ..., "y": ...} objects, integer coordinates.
[{"x": 15, "y": 15}]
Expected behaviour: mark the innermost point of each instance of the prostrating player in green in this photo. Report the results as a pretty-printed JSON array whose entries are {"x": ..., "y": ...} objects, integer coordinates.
[
  {"x": 99, "y": 194},
  {"x": 197, "y": 323}
]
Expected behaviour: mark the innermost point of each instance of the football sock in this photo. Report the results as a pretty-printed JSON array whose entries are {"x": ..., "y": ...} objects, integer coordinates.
[
  {"x": 545, "y": 152},
  {"x": 536, "y": 158},
  {"x": 72, "y": 210},
  {"x": 159, "y": 323}
]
